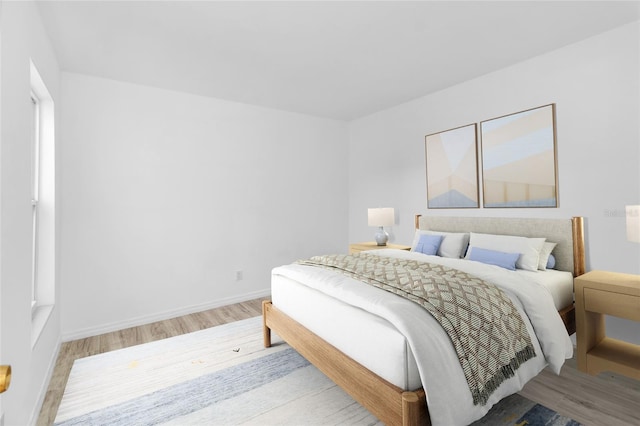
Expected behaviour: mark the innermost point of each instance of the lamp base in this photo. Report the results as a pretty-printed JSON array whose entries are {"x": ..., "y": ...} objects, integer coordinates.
[{"x": 382, "y": 237}]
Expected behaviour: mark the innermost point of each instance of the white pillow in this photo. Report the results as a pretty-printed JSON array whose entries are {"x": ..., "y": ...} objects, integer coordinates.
[
  {"x": 528, "y": 248},
  {"x": 547, "y": 248},
  {"x": 453, "y": 244}
]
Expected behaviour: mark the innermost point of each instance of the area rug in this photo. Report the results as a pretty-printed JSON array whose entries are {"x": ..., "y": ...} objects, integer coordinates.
[{"x": 224, "y": 376}]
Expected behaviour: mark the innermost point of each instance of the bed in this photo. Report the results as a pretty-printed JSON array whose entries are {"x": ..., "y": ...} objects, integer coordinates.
[{"x": 352, "y": 333}]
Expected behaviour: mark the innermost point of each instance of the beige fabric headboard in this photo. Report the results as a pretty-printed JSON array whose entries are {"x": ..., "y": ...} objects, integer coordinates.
[{"x": 567, "y": 233}]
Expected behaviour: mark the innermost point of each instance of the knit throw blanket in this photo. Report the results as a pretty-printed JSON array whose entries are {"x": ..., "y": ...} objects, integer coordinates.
[{"x": 487, "y": 332}]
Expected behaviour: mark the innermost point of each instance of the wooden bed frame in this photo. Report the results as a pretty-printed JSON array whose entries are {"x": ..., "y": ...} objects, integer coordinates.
[{"x": 389, "y": 403}]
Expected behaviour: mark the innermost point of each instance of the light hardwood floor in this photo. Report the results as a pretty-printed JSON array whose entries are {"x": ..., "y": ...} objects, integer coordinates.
[{"x": 604, "y": 400}]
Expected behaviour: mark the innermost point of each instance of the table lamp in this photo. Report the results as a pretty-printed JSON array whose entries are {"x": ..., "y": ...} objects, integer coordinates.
[{"x": 381, "y": 217}]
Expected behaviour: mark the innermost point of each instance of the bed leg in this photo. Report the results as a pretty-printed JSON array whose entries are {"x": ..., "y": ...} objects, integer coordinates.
[
  {"x": 266, "y": 331},
  {"x": 414, "y": 409}
]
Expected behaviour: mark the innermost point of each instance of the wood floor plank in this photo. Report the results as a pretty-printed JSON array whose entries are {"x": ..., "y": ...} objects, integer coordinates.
[
  {"x": 50, "y": 406},
  {"x": 604, "y": 400},
  {"x": 89, "y": 345},
  {"x": 158, "y": 330},
  {"x": 592, "y": 400},
  {"x": 192, "y": 323},
  {"x": 178, "y": 326}
]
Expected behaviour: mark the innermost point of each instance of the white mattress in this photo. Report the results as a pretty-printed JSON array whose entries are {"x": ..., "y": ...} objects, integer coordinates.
[
  {"x": 366, "y": 338},
  {"x": 559, "y": 284}
]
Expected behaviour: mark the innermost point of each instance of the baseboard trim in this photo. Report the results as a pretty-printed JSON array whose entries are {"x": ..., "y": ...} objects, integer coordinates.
[{"x": 160, "y": 316}]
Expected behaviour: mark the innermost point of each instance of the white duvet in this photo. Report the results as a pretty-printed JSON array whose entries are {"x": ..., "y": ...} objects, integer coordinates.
[{"x": 448, "y": 396}]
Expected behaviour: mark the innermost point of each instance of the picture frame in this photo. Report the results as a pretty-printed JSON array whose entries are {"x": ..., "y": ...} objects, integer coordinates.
[
  {"x": 451, "y": 158},
  {"x": 519, "y": 166}
]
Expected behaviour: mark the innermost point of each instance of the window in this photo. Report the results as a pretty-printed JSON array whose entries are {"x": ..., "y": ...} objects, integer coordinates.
[
  {"x": 35, "y": 177},
  {"x": 43, "y": 271}
]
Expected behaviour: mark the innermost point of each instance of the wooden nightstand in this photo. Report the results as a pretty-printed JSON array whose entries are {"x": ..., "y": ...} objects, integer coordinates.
[
  {"x": 600, "y": 293},
  {"x": 358, "y": 247}
]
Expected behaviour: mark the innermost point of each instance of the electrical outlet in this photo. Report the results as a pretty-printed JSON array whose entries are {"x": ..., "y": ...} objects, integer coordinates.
[{"x": 238, "y": 275}]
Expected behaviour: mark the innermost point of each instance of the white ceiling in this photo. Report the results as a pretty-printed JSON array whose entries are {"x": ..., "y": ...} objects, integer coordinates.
[{"x": 333, "y": 59}]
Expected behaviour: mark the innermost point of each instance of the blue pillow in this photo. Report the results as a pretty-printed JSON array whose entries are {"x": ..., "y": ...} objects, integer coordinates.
[
  {"x": 429, "y": 244},
  {"x": 551, "y": 262},
  {"x": 493, "y": 257}
]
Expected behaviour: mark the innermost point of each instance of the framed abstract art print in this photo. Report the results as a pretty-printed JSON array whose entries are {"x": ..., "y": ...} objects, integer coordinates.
[
  {"x": 519, "y": 167},
  {"x": 452, "y": 168}
]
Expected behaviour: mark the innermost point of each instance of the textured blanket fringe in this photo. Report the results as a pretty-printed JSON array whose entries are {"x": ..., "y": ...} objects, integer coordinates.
[{"x": 480, "y": 397}]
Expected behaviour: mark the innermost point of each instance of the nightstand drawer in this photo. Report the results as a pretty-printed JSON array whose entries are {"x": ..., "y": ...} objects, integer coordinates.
[{"x": 611, "y": 303}]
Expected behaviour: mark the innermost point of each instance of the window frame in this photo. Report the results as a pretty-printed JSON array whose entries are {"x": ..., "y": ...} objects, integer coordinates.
[
  {"x": 35, "y": 196},
  {"x": 42, "y": 147}
]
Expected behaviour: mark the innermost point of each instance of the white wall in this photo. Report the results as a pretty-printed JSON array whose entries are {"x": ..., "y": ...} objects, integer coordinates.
[
  {"x": 595, "y": 86},
  {"x": 165, "y": 195},
  {"x": 23, "y": 38}
]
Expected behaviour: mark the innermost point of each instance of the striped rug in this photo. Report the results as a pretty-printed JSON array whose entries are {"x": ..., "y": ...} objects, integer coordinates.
[{"x": 224, "y": 376}]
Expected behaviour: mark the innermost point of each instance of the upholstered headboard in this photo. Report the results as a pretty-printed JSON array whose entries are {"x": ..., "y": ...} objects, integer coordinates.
[{"x": 567, "y": 233}]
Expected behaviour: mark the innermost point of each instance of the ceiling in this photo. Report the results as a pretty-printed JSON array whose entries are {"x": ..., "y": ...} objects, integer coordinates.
[{"x": 335, "y": 59}]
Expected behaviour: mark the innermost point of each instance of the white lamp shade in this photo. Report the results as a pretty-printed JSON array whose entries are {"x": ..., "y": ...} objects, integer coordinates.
[
  {"x": 633, "y": 223},
  {"x": 381, "y": 217}
]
